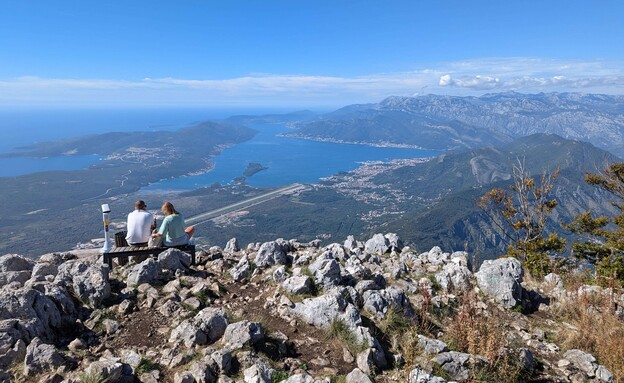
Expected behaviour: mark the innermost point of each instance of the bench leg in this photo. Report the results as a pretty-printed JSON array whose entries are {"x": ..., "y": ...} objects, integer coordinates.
[{"x": 109, "y": 261}]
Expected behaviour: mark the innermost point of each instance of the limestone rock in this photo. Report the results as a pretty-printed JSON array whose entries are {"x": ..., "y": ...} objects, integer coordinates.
[
  {"x": 242, "y": 270},
  {"x": 231, "y": 246},
  {"x": 88, "y": 281},
  {"x": 418, "y": 375},
  {"x": 174, "y": 259},
  {"x": 243, "y": 333},
  {"x": 270, "y": 253},
  {"x": 379, "y": 244},
  {"x": 501, "y": 279},
  {"x": 298, "y": 284},
  {"x": 455, "y": 364},
  {"x": 358, "y": 376},
  {"x": 147, "y": 271},
  {"x": 454, "y": 278},
  {"x": 41, "y": 357}
]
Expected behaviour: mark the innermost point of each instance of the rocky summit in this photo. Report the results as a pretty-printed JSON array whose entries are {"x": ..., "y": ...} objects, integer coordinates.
[{"x": 285, "y": 311}]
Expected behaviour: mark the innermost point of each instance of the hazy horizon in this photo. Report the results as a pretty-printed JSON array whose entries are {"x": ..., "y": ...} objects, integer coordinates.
[{"x": 293, "y": 55}]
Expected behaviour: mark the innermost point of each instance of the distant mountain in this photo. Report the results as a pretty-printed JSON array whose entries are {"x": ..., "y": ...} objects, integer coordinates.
[
  {"x": 456, "y": 180},
  {"x": 445, "y": 122},
  {"x": 302, "y": 115}
]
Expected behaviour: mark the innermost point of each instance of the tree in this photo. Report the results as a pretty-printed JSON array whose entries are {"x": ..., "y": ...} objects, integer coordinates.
[
  {"x": 604, "y": 246},
  {"x": 521, "y": 213}
]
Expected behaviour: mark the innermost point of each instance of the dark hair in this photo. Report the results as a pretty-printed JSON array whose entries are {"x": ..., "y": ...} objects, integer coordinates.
[{"x": 140, "y": 205}]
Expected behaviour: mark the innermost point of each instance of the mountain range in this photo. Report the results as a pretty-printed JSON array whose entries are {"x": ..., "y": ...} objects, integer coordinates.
[{"x": 448, "y": 122}]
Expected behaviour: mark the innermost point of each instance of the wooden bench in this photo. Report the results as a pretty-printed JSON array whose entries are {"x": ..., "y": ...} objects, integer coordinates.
[{"x": 133, "y": 251}]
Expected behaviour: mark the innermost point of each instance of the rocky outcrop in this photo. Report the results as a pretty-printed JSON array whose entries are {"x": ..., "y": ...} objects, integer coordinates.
[
  {"x": 501, "y": 279},
  {"x": 282, "y": 311}
]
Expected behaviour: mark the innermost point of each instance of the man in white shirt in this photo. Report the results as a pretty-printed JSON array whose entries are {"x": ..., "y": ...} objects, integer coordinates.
[{"x": 140, "y": 225}]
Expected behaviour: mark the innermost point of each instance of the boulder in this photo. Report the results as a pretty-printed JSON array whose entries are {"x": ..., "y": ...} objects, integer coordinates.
[
  {"x": 231, "y": 246},
  {"x": 270, "y": 253},
  {"x": 326, "y": 270},
  {"x": 243, "y": 333},
  {"x": 379, "y": 244},
  {"x": 147, "y": 271},
  {"x": 88, "y": 281},
  {"x": 431, "y": 346},
  {"x": 105, "y": 369},
  {"x": 454, "y": 278},
  {"x": 379, "y": 302},
  {"x": 418, "y": 375},
  {"x": 43, "y": 269},
  {"x": 322, "y": 311},
  {"x": 15, "y": 268},
  {"x": 298, "y": 284},
  {"x": 394, "y": 242},
  {"x": 174, "y": 259},
  {"x": 357, "y": 376},
  {"x": 213, "y": 322},
  {"x": 41, "y": 357},
  {"x": 14, "y": 262},
  {"x": 242, "y": 270},
  {"x": 457, "y": 365},
  {"x": 501, "y": 279}
]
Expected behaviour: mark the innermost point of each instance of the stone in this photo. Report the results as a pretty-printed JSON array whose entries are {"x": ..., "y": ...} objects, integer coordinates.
[
  {"x": 583, "y": 361},
  {"x": 357, "y": 376},
  {"x": 298, "y": 284},
  {"x": 431, "y": 346},
  {"x": 243, "y": 333},
  {"x": 455, "y": 364},
  {"x": 212, "y": 322},
  {"x": 231, "y": 246},
  {"x": 270, "y": 253},
  {"x": 454, "y": 278},
  {"x": 188, "y": 333},
  {"x": 394, "y": 242},
  {"x": 323, "y": 310},
  {"x": 41, "y": 357},
  {"x": 379, "y": 302},
  {"x": 378, "y": 244},
  {"x": 88, "y": 281},
  {"x": 147, "y": 271},
  {"x": 300, "y": 378},
  {"x": 326, "y": 270},
  {"x": 501, "y": 279},
  {"x": 257, "y": 373},
  {"x": 242, "y": 270},
  {"x": 174, "y": 259},
  {"x": 43, "y": 269},
  {"x": 418, "y": 375},
  {"x": 14, "y": 262}
]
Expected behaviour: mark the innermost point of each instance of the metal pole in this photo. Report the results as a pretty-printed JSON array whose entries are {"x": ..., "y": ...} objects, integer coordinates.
[{"x": 107, "y": 242}]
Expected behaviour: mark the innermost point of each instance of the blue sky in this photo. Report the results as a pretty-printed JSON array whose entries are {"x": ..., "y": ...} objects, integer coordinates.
[{"x": 298, "y": 53}]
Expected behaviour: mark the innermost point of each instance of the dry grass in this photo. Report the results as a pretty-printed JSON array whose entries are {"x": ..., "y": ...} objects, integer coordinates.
[
  {"x": 601, "y": 334},
  {"x": 479, "y": 332}
]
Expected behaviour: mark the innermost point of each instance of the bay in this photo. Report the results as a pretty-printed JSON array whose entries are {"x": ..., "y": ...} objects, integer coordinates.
[{"x": 289, "y": 160}]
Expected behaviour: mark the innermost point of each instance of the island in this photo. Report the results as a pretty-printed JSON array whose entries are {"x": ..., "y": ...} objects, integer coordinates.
[{"x": 253, "y": 168}]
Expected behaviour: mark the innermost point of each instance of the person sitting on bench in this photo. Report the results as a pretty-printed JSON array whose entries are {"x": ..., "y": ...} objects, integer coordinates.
[
  {"x": 172, "y": 228},
  {"x": 140, "y": 225}
]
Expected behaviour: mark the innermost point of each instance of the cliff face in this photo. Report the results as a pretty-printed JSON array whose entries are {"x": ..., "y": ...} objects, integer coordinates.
[{"x": 372, "y": 311}]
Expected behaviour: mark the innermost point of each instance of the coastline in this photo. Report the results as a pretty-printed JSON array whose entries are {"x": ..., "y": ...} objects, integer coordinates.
[{"x": 337, "y": 141}]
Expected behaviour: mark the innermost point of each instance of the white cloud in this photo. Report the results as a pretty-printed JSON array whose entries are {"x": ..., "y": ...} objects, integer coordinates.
[{"x": 462, "y": 78}]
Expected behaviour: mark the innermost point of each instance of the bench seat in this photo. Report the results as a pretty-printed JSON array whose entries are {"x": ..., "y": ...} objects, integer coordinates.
[{"x": 123, "y": 252}]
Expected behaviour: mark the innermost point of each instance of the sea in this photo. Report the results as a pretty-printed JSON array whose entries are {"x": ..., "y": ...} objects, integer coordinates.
[{"x": 289, "y": 160}]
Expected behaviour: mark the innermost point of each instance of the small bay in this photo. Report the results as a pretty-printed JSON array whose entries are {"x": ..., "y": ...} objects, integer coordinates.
[{"x": 289, "y": 160}]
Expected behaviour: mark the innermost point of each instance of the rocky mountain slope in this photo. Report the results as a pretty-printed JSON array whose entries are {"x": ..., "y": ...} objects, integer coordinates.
[
  {"x": 433, "y": 202},
  {"x": 284, "y": 311},
  {"x": 443, "y": 122}
]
